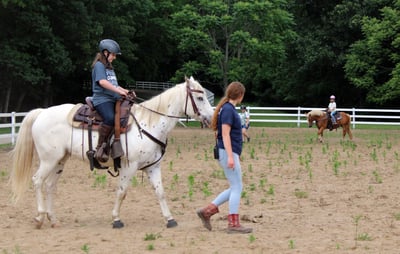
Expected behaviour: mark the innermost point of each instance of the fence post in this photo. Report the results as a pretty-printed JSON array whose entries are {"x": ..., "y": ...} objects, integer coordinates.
[
  {"x": 13, "y": 132},
  {"x": 298, "y": 116},
  {"x": 248, "y": 110},
  {"x": 354, "y": 118}
]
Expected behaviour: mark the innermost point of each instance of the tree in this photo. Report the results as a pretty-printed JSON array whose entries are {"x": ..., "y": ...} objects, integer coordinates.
[
  {"x": 373, "y": 63},
  {"x": 32, "y": 53},
  {"x": 316, "y": 59},
  {"x": 233, "y": 40}
]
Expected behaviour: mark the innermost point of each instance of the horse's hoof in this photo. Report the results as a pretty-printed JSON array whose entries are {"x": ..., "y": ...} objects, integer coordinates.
[
  {"x": 55, "y": 225},
  {"x": 172, "y": 223},
  {"x": 38, "y": 223},
  {"x": 118, "y": 224}
]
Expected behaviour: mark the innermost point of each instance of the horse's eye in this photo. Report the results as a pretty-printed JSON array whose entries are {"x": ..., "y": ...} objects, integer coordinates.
[{"x": 200, "y": 98}]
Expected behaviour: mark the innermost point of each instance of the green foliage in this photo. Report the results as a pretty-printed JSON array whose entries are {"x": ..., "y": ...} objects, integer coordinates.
[
  {"x": 233, "y": 38},
  {"x": 285, "y": 52},
  {"x": 373, "y": 63}
]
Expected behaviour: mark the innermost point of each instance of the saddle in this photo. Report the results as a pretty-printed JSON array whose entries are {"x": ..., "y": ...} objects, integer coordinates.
[
  {"x": 87, "y": 115},
  {"x": 337, "y": 116}
]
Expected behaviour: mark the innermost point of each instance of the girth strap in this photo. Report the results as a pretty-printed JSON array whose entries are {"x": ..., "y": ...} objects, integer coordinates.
[{"x": 154, "y": 139}]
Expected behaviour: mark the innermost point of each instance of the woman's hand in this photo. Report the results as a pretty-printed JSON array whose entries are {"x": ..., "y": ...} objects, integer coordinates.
[
  {"x": 231, "y": 163},
  {"x": 122, "y": 91}
]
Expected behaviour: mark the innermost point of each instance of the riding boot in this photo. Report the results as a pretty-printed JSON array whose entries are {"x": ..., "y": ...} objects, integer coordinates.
[
  {"x": 206, "y": 213},
  {"x": 235, "y": 227},
  {"x": 101, "y": 149},
  {"x": 330, "y": 124},
  {"x": 333, "y": 123}
]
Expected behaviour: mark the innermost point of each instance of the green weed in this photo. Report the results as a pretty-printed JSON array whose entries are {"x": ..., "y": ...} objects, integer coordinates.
[
  {"x": 85, "y": 248},
  {"x": 134, "y": 181},
  {"x": 300, "y": 194},
  {"x": 206, "y": 190},
  {"x": 252, "y": 238},
  {"x": 100, "y": 181},
  {"x": 191, "y": 187},
  {"x": 291, "y": 244},
  {"x": 151, "y": 236},
  {"x": 377, "y": 177}
]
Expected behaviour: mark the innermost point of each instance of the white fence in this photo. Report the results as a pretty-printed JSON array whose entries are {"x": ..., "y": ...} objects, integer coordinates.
[{"x": 295, "y": 115}]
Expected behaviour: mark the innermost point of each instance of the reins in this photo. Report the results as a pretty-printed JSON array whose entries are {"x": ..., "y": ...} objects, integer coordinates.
[
  {"x": 163, "y": 145},
  {"x": 189, "y": 94}
]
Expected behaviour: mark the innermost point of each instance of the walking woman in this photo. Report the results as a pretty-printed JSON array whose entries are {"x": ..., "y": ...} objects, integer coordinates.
[{"x": 227, "y": 123}]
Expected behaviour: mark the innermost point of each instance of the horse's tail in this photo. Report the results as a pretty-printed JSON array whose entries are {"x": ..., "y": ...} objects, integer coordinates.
[{"x": 22, "y": 156}]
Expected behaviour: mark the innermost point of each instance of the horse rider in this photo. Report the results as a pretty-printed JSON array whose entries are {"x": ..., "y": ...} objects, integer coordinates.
[
  {"x": 106, "y": 92},
  {"x": 245, "y": 120},
  {"x": 332, "y": 108}
]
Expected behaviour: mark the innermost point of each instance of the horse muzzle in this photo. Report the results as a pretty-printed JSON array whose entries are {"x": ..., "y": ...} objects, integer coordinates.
[{"x": 206, "y": 122}]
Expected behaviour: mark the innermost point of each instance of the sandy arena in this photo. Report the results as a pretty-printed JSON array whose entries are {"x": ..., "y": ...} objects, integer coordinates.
[{"x": 299, "y": 196}]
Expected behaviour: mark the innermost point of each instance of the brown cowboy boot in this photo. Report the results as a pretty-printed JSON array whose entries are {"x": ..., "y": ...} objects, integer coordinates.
[
  {"x": 206, "y": 213},
  {"x": 104, "y": 133},
  {"x": 235, "y": 227}
]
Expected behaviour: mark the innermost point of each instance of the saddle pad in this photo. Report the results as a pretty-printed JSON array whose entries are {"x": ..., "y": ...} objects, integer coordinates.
[
  {"x": 95, "y": 126},
  {"x": 71, "y": 115}
]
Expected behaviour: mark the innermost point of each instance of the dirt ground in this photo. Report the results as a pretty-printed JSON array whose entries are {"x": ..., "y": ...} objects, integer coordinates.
[{"x": 299, "y": 196}]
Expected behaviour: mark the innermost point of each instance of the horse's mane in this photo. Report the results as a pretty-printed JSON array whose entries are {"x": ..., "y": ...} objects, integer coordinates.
[
  {"x": 316, "y": 112},
  {"x": 159, "y": 103},
  {"x": 163, "y": 103}
]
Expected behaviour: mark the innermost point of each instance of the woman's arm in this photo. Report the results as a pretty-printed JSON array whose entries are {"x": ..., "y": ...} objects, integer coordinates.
[
  {"x": 226, "y": 138},
  {"x": 107, "y": 85}
]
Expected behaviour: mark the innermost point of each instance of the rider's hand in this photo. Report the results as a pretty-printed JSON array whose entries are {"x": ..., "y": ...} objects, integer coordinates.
[
  {"x": 132, "y": 93},
  {"x": 123, "y": 92}
]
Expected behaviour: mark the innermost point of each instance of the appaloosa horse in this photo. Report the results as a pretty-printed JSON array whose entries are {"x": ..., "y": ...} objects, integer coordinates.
[
  {"x": 50, "y": 133},
  {"x": 321, "y": 119}
]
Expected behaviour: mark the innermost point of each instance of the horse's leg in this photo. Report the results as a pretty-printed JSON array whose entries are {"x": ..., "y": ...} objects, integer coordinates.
[
  {"x": 51, "y": 187},
  {"x": 321, "y": 134},
  {"x": 38, "y": 179},
  {"x": 124, "y": 180},
  {"x": 349, "y": 131},
  {"x": 154, "y": 175},
  {"x": 344, "y": 128}
]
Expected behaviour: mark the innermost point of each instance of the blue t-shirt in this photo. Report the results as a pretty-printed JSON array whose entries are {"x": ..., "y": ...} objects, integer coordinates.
[
  {"x": 100, "y": 94},
  {"x": 228, "y": 115}
]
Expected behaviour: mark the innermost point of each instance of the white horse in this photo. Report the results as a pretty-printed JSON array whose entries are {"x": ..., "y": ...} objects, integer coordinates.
[{"x": 49, "y": 133}]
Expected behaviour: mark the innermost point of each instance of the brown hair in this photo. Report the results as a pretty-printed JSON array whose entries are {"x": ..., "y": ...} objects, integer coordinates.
[
  {"x": 233, "y": 91},
  {"x": 102, "y": 58}
]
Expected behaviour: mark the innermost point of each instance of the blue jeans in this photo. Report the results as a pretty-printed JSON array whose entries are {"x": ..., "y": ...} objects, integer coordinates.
[
  {"x": 107, "y": 112},
  {"x": 333, "y": 113},
  {"x": 234, "y": 192}
]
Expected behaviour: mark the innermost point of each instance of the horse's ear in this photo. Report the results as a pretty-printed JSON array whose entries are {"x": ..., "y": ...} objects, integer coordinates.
[{"x": 187, "y": 81}]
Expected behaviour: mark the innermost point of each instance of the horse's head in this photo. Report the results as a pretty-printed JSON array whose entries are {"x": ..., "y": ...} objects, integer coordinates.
[
  {"x": 197, "y": 104},
  {"x": 313, "y": 115}
]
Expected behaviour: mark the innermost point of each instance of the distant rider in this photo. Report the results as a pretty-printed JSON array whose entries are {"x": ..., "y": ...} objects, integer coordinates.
[{"x": 332, "y": 109}]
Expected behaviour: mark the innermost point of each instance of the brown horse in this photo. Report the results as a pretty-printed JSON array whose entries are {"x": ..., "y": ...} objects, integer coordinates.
[{"x": 321, "y": 119}]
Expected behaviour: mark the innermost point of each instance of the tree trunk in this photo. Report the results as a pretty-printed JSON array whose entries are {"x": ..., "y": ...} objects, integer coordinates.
[
  {"x": 20, "y": 101},
  {"x": 6, "y": 102}
]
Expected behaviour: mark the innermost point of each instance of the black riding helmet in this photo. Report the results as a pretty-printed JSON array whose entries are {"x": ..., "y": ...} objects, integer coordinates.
[
  {"x": 109, "y": 45},
  {"x": 242, "y": 107}
]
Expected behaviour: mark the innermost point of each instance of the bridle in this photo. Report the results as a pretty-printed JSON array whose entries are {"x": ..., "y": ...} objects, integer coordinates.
[
  {"x": 163, "y": 145},
  {"x": 189, "y": 95}
]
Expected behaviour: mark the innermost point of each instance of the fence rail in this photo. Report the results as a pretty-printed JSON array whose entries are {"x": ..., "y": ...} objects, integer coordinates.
[{"x": 294, "y": 115}]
